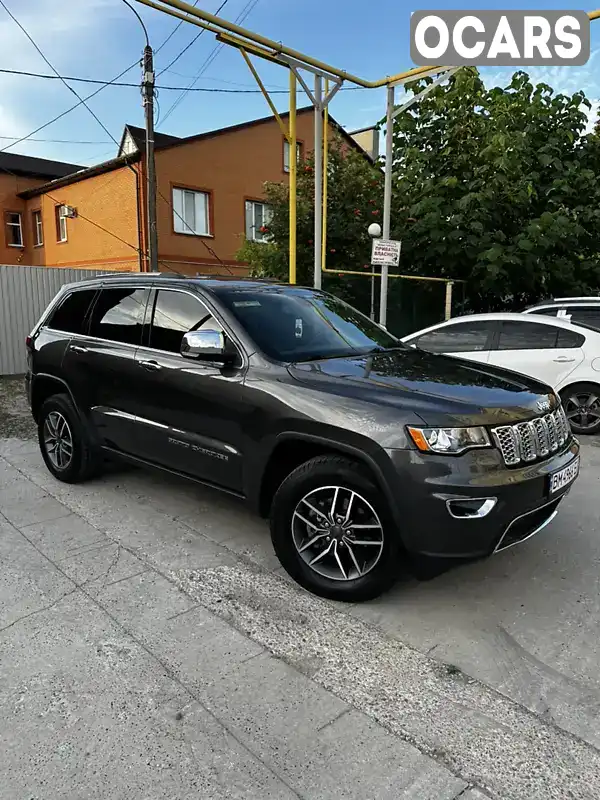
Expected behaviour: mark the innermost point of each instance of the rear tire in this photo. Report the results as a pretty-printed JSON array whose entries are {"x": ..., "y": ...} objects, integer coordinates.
[
  {"x": 65, "y": 443},
  {"x": 349, "y": 563},
  {"x": 582, "y": 407}
]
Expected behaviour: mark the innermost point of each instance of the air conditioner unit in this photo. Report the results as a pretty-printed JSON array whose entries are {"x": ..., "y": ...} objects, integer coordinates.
[{"x": 68, "y": 211}]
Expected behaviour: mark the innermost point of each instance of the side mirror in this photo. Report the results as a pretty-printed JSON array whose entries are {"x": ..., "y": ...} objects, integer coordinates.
[{"x": 207, "y": 344}]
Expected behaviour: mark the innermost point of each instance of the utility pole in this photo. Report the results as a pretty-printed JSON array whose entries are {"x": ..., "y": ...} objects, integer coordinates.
[{"x": 148, "y": 98}]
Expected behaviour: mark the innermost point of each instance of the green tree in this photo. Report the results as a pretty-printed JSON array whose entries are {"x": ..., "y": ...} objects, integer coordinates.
[
  {"x": 499, "y": 188},
  {"x": 355, "y": 196}
]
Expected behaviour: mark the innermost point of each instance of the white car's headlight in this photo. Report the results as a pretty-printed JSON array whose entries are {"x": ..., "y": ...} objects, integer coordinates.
[{"x": 448, "y": 440}]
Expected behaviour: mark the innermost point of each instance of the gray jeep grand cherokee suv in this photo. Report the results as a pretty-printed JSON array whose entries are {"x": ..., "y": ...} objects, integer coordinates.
[{"x": 361, "y": 450}]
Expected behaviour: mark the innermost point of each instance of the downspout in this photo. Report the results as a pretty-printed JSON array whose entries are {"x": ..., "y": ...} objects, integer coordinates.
[{"x": 138, "y": 198}]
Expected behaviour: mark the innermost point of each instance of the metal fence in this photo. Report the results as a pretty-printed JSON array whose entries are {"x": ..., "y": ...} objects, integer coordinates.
[{"x": 24, "y": 294}]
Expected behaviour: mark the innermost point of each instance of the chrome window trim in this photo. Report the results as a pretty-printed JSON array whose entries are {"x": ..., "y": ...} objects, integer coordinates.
[{"x": 198, "y": 297}]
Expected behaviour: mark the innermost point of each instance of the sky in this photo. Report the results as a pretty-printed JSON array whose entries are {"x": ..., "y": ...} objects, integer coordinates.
[{"x": 99, "y": 38}]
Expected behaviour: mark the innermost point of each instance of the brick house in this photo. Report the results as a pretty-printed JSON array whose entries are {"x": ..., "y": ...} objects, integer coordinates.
[
  {"x": 210, "y": 195},
  {"x": 17, "y": 174}
]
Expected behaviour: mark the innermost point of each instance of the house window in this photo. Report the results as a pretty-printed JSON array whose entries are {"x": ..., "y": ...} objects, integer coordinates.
[
  {"x": 258, "y": 217},
  {"x": 14, "y": 229},
  {"x": 191, "y": 212},
  {"x": 61, "y": 223},
  {"x": 38, "y": 228},
  {"x": 286, "y": 154}
]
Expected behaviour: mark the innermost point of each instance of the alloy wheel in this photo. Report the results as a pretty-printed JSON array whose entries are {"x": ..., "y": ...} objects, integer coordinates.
[
  {"x": 583, "y": 409},
  {"x": 337, "y": 533},
  {"x": 58, "y": 440}
]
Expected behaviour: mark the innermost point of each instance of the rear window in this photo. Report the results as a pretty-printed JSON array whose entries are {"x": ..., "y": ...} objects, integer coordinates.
[
  {"x": 568, "y": 338},
  {"x": 71, "y": 314}
]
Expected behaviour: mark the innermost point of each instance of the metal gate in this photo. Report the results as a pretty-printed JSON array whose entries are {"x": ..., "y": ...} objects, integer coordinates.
[{"x": 24, "y": 294}]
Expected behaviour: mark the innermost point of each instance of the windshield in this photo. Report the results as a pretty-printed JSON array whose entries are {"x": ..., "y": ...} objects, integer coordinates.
[{"x": 290, "y": 324}]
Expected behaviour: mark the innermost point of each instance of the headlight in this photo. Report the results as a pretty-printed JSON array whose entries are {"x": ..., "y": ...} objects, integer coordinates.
[{"x": 449, "y": 440}]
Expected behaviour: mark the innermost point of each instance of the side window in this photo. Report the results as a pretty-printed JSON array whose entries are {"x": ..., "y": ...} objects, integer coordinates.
[
  {"x": 527, "y": 336},
  {"x": 176, "y": 313},
  {"x": 71, "y": 314},
  {"x": 589, "y": 315},
  {"x": 463, "y": 337},
  {"x": 118, "y": 315},
  {"x": 567, "y": 339}
]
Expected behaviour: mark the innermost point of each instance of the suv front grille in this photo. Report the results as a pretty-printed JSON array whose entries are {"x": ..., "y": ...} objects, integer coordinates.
[{"x": 533, "y": 440}]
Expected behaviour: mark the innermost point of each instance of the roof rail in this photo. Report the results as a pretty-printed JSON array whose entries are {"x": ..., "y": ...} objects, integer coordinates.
[{"x": 563, "y": 299}]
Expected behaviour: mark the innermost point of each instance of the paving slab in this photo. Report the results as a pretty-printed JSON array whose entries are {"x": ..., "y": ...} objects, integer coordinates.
[
  {"x": 482, "y": 736},
  {"x": 86, "y": 713}
]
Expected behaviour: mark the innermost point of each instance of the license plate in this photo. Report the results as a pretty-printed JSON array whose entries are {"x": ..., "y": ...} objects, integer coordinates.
[{"x": 562, "y": 478}]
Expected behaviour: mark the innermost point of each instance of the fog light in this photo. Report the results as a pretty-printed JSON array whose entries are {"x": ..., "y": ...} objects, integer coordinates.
[{"x": 471, "y": 509}]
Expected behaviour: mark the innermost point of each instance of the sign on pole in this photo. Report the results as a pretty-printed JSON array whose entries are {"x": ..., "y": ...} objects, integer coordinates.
[{"x": 385, "y": 253}]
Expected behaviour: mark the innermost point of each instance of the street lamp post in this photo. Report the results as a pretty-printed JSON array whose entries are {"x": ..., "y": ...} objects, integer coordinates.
[{"x": 374, "y": 232}]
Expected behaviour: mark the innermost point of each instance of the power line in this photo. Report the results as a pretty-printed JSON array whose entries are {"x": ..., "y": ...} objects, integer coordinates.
[
  {"x": 173, "y": 32},
  {"x": 115, "y": 82},
  {"x": 104, "y": 128},
  {"x": 56, "y": 141},
  {"x": 248, "y": 8},
  {"x": 140, "y": 20},
  {"x": 70, "y": 88},
  {"x": 72, "y": 108},
  {"x": 194, "y": 40}
]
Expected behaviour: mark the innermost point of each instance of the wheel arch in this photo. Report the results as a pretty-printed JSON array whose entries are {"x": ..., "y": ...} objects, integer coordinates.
[
  {"x": 44, "y": 386},
  {"x": 292, "y": 449}
]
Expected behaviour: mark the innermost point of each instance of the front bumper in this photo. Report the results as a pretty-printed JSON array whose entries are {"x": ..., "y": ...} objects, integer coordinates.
[{"x": 426, "y": 486}]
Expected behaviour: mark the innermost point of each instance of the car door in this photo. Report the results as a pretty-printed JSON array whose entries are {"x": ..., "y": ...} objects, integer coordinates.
[
  {"x": 541, "y": 350},
  {"x": 100, "y": 365},
  {"x": 469, "y": 339},
  {"x": 190, "y": 410}
]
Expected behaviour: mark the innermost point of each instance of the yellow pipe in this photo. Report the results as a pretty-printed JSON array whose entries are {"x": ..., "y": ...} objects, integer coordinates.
[
  {"x": 267, "y": 96},
  {"x": 325, "y": 161},
  {"x": 208, "y": 21},
  {"x": 392, "y": 275},
  {"x": 293, "y": 176}
]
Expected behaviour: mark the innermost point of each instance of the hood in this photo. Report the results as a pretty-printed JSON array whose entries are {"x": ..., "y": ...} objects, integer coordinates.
[{"x": 442, "y": 390}]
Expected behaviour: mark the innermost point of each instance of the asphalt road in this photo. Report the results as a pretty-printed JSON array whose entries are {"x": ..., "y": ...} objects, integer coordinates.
[{"x": 490, "y": 669}]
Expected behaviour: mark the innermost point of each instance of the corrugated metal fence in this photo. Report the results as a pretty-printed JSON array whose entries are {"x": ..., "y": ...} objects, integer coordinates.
[{"x": 24, "y": 294}]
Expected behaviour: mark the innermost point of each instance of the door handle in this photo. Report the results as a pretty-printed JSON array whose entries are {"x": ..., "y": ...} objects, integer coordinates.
[
  {"x": 76, "y": 348},
  {"x": 151, "y": 366},
  {"x": 563, "y": 360}
]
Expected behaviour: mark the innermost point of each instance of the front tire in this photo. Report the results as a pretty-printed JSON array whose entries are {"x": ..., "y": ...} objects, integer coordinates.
[
  {"x": 332, "y": 531},
  {"x": 64, "y": 441},
  {"x": 582, "y": 407}
]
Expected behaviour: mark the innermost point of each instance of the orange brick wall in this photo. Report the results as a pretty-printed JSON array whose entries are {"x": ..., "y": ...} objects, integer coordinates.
[
  {"x": 10, "y": 186},
  {"x": 104, "y": 201},
  {"x": 233, "y": 167}
]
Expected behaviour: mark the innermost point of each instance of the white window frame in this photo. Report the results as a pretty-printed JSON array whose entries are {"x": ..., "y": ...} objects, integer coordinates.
[
  {"x": 61, "y": 228},
  {"x": 18, "y": 225},
  {"x": 286, "y": 154},
  {"x": 196, "y": 223},
  {"x": 253, "y": 233},
  {"x": 38, "y": 227}
]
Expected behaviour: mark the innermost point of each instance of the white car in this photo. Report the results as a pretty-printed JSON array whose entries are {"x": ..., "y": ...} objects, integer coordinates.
[{"x": 562, "y": 354}]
